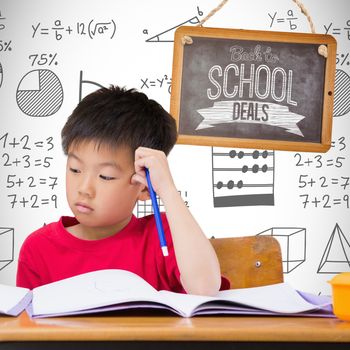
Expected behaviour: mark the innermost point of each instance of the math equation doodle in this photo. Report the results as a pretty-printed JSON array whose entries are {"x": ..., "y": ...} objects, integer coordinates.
[
  {"x": 29, "y": 182},
  {"x": 92, "y": 29},
  {"x": 5, "y": 45},
  {"x": 323, "y": 180},
  {"x": 160, "y": 82},
  {"x": 290, "y": 19},
  {"x": 338, "y": 29},
  {"x": 2, "y": 19}
]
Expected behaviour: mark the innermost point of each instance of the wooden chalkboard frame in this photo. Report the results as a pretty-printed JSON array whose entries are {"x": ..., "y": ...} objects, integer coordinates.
[{"x": 262, "y": 36}]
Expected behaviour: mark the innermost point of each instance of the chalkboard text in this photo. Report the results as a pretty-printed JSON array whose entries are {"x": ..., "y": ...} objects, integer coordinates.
[{"x": 261, "y": 82}]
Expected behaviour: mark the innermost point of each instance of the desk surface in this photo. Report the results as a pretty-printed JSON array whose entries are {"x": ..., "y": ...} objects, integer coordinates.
[{"x": 170, "y": 328}]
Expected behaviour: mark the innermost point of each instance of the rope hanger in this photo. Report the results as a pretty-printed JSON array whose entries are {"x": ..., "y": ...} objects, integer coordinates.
[{"x": 322, "y": 49}]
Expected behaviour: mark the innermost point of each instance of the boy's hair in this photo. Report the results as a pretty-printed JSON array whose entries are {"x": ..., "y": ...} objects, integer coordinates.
[{"x": 115, "y": 116}]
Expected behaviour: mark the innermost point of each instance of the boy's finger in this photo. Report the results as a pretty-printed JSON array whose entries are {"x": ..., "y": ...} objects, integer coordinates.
[
  {"x": 140, "y": 164},
  {"x": 142, "y": 152},
  {"x": 145, "y": 162},
  {"x": 138, "y": 179},
  {"x": 145, "y": 152}
]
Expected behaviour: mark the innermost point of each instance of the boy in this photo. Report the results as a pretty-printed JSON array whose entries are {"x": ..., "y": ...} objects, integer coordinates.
[{"x": 111, "y": 136}]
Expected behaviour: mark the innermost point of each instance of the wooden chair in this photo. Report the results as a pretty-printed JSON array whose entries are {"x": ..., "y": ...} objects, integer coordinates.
[{"x": 250, "y": 261}]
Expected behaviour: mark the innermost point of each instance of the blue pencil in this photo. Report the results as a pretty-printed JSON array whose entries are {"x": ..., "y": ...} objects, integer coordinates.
[{"x": 159, "y": 224}]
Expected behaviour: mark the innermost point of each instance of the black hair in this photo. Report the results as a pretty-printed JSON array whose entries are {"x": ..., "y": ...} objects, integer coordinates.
[{"x": 116, "y": 117}]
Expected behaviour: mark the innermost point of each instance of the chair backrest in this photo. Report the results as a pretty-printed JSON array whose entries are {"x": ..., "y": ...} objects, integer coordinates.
[{"x": 250, "y": 261}]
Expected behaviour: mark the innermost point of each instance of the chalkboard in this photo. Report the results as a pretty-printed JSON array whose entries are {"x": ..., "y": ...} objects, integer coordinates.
[{"x": 253, "y": 89}]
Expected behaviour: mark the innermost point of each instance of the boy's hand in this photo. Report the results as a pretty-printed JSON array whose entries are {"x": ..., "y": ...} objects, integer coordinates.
[
  {"x": 198, "y": 264},
  {"x": 157, "y": 164}
]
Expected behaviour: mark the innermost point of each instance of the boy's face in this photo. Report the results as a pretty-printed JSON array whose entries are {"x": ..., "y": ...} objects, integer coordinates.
[{"x": 99, "y": 191}]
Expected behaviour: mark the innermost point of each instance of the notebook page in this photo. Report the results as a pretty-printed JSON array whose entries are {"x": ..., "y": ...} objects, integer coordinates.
[
  {"x": 90, "y": 290},
  {"x": 280, "y": 297},
  {"x": 185, "y": 304},
  {"x": 11, "y": 299}
]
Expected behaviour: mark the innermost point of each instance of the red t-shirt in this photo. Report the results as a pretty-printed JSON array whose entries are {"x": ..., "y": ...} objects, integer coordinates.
[{"x": 52, "y": 253}]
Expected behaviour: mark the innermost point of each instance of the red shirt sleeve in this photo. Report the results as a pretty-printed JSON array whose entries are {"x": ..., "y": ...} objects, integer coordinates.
[{"x": 225, "y": 283}]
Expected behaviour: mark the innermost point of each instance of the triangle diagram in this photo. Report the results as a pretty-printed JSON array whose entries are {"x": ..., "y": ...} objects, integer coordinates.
[
  {"x": 168, "y": 35},
  {"x": 336, "y": 256}
]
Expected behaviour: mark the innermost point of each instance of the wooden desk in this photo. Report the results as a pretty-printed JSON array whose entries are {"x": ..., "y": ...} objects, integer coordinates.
[{"x": 136, "y": 332}]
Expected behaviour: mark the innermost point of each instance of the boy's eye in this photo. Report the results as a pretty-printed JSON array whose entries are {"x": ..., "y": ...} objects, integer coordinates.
[
  {"x": 75, "y": 171},
  {"x": 107, "y": 178}
]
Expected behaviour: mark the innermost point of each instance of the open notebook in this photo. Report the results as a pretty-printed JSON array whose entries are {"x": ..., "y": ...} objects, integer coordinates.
[{"x": 106, "y": 290}]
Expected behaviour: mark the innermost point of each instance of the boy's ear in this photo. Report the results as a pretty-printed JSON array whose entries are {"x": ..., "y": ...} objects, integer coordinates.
[{"x": 144, "y": 194}]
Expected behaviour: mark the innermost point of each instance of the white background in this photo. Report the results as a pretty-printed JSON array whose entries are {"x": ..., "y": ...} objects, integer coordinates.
[{"x": 128, "y": 59}]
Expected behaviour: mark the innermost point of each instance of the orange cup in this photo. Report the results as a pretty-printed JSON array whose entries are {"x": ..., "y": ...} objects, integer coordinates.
[{"x": 341, "y": 295}]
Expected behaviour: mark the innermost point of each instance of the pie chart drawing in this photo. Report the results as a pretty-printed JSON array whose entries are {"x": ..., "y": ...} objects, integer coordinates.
[
  {"x": 39, "y": 93},
  {"x": 341, "y": 93},
  {"x": 1, "y": 75}
]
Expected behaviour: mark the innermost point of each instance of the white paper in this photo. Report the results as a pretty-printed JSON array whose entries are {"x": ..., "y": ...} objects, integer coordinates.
[
  {"x": 90, "y": 290},
  {"x": 11, "y": 297},
  {"x": 113, "y": 289},
  {"x": 279, "y": 298}
]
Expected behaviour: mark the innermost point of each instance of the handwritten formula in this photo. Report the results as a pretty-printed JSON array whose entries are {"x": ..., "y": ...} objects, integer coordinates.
[
  {"x": 323, "y": 182},
  {"x": 59, "y": 30},
  {"x": 26, "y": 187}
]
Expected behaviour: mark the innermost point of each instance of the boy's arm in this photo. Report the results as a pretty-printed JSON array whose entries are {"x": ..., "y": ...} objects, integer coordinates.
[{"x": 195, "y": 256}]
